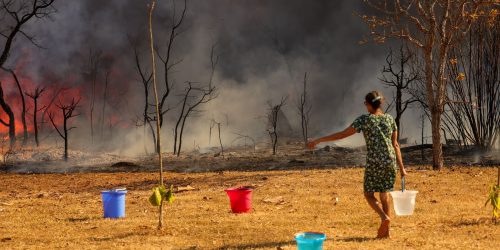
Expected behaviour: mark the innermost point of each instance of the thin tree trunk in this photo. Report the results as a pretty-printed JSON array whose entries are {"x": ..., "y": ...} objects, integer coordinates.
[
  {"x": 23, "y": 112},
  {"x": 158, "y": 140},
  {"x": 104, "y": 104},
  {"x": 220, "y": 141},
  {"x": 422, "y": 148},
  {"x": 303, "y": 111},
  {"x": 399, "y": 96},
  {"x": 181, "y": 133},
  {"x": 92, "y": 101},
  {"x": 35, "y": 95},
  {"x": 210, "y": 135},
  {"x": 180, "y": 119},
  {"x": 10, "y": 114},
  {"x": 154, "y": 136},
  {"x": 65, "y": 138},
  {"x": 35, "y": 124},
  {"x": 145, "y": 118},
  {"x": 275, "y": 143},
  {"x": 42, "y": 120}
]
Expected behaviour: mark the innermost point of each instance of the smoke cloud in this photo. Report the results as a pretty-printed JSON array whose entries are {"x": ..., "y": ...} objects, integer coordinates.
[{"x": 265, "y": 47}]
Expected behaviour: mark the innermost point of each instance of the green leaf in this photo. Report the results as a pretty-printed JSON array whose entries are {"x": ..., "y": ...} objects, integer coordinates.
[
  {"x": 170, "y": 195},
  {"x": 163, "y": 190},
  {"x": 494, "y": 200},
  {"x": 160, "y": 194},
  {"x": 155, "y": 198}
]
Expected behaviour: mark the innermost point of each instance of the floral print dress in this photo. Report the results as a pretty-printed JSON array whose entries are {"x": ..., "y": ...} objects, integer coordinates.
[{"x": 380, "y": 171}]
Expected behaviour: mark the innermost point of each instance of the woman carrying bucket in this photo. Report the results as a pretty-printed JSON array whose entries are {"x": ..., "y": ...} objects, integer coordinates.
[{"x": 380, "y": 133}]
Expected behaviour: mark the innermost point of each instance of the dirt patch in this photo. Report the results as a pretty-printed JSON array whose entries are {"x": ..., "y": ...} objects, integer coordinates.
[{"x": 65, "y": 211}]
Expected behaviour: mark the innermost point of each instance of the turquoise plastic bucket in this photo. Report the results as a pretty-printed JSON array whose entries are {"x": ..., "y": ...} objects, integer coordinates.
[
  {"x": 310, "y": 241},
  {"x": 113, "y": 203}
]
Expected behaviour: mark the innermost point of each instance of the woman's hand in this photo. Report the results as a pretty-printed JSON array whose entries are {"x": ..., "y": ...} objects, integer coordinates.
[
  {"x": 312, "y": 144},
  {"x": 403, "y": 172}
]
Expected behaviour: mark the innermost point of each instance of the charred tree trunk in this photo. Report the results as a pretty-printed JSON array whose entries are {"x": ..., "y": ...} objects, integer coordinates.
[
  {"x": 181, "y": 117},
  {"x": 93, "y": 73},
  {"x": 474, "y": 96},
  {"x": 65, "y": 128},
  {"x": 397, "y": 119},
  {"x": 304, "y": 111},
  {"x": 220, "y": 141},
  {"x": 47, "y": 108},
  {"x": 166, "y": 60},
  {"x": 273, "y": 122},
  {"x": 11, "y": 124},
  {"x": 35, "y": 122},
  {"x": 433, "y": 27},
  {"x": 35, "y": 95},
  {"x": 23, "y": 110},
  {"x": 422, "y": 138},
  {"x": 180, "y": 134},
  {"x": 206, "y": 96},
  {"x": 92, "y": 103},
  {"x": 214, "y": 123},
  {"x": 14, "y": 17},
  {"x": 104, "y": 100},
  {"x": 21, "y": 16},
  {"x": 146, "y": 84},
  {"x": 400, "y": 79},
  {"x": 67, "y": 113}
]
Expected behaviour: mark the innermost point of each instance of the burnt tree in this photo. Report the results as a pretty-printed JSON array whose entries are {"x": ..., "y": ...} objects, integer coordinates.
[
  {"x": 23, "y": 105},
  {"x": 166, "y": 58},
  {"x": 145, "y": 78},
  {"x": 433, "y": 28},
  {"x": 104, "y": 101},
  {"x": 304, "y": 109},
  {"x": 214, "y": 123},
  {"x": 399, "y": 76},
  {"x": 92, "y": 73},
  {"x": 244, "y": 138},
  {"x": 273, "y": 114},
  {"x": 201, "y": 95},
  {"x": 55, "y": 93},
  {"x": 67, "y": 111},
  {"x": 15, "y": 15},
  {"x": 181, "y": 115},
  {"x": 473, "y": 101},
  {"x": 11, "y": 123},
  {"x": 34, "y": 96}
]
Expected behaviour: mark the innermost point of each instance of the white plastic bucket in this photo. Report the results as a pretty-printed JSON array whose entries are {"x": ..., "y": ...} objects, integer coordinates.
[{"x": 404, "y": 201}]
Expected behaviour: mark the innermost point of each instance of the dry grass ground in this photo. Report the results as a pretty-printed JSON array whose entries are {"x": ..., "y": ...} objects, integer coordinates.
[{"x": 64, "y": 211}]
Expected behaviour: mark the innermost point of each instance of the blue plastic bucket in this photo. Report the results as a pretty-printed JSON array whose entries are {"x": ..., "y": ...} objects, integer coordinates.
[
  {"x": 113, "y": 203},
  {"x": 310, "y": 241}
]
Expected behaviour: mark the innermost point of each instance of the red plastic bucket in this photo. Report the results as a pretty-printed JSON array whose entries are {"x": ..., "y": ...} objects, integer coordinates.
[{"x": 240, "y": 199}]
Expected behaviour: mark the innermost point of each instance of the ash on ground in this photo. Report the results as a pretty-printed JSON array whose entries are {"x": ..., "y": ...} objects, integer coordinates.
[{"x": 290, "y": 156}]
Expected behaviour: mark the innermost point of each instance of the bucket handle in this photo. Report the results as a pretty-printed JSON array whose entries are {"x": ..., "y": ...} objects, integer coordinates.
[{"x": 402, "y": 184}]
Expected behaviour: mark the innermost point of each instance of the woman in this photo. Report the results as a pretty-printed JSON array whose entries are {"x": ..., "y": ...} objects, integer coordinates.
[{"x": 381, "y": 135}]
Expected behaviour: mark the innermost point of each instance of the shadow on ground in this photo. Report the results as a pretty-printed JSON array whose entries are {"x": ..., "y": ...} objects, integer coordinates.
[
  {"x": 355, "y": 239},
  {"x": 254, "y": 246}
]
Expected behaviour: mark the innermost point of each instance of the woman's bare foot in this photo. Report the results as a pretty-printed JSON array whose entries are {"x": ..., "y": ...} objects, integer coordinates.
[{"x": 383, "y": 231}]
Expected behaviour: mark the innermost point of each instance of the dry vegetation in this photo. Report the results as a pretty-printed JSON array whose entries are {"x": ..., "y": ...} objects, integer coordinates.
[{"x": 64, "y": 211}]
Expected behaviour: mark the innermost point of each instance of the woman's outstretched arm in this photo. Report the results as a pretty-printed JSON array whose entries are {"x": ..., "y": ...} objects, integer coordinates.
[
  {"x": 333, "y": 137},
  {"x": 397, "y": 150}
]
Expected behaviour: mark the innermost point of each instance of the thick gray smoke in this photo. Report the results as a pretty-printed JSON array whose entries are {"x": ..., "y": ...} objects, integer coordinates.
[{"x": 264, "y": 46}]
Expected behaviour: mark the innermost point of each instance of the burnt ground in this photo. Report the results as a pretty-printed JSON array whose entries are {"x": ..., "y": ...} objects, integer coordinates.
[{"x": 289, "y": 157}]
